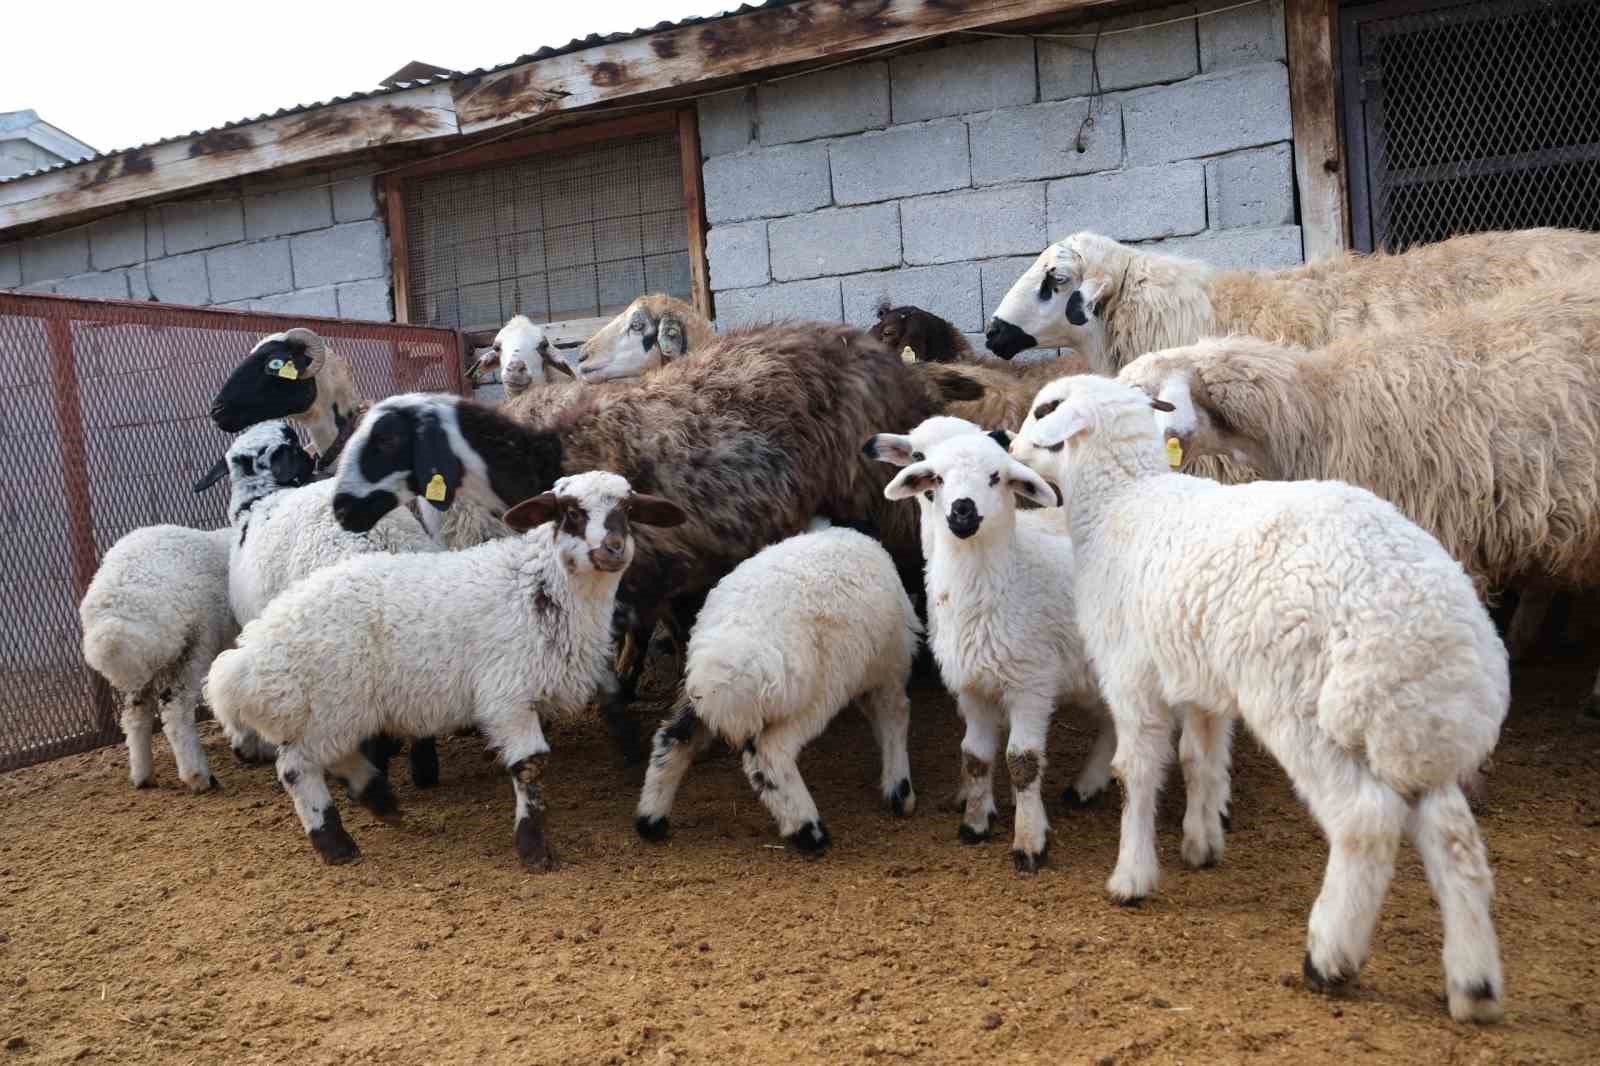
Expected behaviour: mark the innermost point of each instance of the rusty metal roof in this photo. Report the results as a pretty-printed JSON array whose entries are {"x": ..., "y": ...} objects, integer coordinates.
[{"x": 574, "y": 45}]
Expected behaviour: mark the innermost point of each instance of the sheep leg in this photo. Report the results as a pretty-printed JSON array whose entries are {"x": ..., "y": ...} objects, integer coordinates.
[
  {"x": 1025, "y": 759},
  {"x": 1096, "y": 772},
  {"x": 177, "y": 722},
  {"x": 677, "y": 743},
  {"x": 1442, "y": 828},
  {"x": 251, "y": 749},
  {"x": 1533, "y": 605},
  {"x": 368, "y": 787},
  {"x": 1144, "y": 747},
  {"x": 138, "y": 723},
  {"x": 769, "y": 764},
  {"x": 889, "y": 711},
  {"x": 1204, "y": 750},
  {"x": 424, "y": 759},
  {"x": 978, "y": 748},
  {"x": 526, "y": 753},
  {"x": 306, "y": 784}
]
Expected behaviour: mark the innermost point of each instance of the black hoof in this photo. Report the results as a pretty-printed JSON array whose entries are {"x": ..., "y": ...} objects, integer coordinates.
[
  {"x": 216, "y": 786},
  {"x": 652, "y": 828},
  {"x": 425, "y": 762},
  {"x": 532, "y": 847},
  {"x": 968, "y": 835},
  {"x": 1227, "y": 821},
  {"x": 1129, "y": 901},
  {"x": 148, "y": 782},
  {"x": 1025, "y": 863},
  {"x": 1072, "y": 801},
  {"x": 897, "y": 801},
  {"x": 1317, "y": 981},
  {"x": 379, "y": 798},
  {"x": 244, "y": 760},
  {"x": 331, "y": 841},
  {"x": 810, "y": 839}
]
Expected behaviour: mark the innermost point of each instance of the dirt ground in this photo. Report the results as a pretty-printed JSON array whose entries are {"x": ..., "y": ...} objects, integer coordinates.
[{"x": 156, "y": 926}]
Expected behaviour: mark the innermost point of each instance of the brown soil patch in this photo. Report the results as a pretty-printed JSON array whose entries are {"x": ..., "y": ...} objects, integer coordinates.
[{"x": 145, "y": 927}]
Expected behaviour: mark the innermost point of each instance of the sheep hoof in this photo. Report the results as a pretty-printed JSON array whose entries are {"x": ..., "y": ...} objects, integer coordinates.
[
  {"x": 968, "y": 835},
  {"x": 1073, "y": 800},
  {"x": 335, "y": 845},
  {"x": 903, "y": 800},
  {"x": 145, "y": 782},
  {"x": 532, "y": 847},
  {"x": 1317, "y": 981},
  {"x": 1227, "y": 821},
  {"x": 1477, "y": 1002},
  {"x": 1027, "y": 863},
  {"x": 379, "y": 798},
  {"x": 652, "y": 828},
  {"x": 425, "y": 763},
  {"x": 811, "y": 839}
]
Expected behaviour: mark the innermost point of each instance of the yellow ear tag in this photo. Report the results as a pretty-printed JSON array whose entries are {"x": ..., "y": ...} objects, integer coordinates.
[
  {"x": 289, "y": 372},
  {"x": 907, "y": 355},
  {"x": 1174, "y": 453},
  {"x": 435, "y": 490}
]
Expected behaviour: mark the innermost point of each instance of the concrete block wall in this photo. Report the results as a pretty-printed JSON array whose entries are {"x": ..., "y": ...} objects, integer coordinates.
[
  {"x": 935, "y": 178},
  {"x": 313, "y": 244}
]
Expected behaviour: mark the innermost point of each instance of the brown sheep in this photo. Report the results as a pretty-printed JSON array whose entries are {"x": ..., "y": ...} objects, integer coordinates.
[{"x": 930, "y": 338}]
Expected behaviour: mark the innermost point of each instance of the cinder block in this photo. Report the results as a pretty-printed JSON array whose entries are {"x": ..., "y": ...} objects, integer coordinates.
[
  {"x": 274, "y": 214},
  {"x": 727, "y": 122},
  {"x": 38, "y": 286},
  {"x": 951, "y": 292},
  {"x": 55, "y": 255},
  {"x": 904, "y": 161},
  {"x": 10, "y": 266},
  {"x": 973, "y": 225},
  {"x": 816, "y": 301},
  {"x": 109, "y": 285},
  {"x": 963, "y": 79},
  {"x": 202, "y": 224},
  {"x": 1251, "y": 188},
  {"x": 351, "y": 252},
  {"x": 355, "y": 198},
  {"x": 1208, "y": 115},
  {"x": 246, "y": 271},
  {"x": 118, "y": 241},
  {"x": 323, "y": 301},
  {"x": 366, "y": 300},
  {"x": 1267, "y": 248},
  {"x": 1246, "y": 35},
  {"x": 1029, "y": 143},
  {"x": 737, "y": 255},
  {"x": 1000, "y": 274},
  {"x": 766, "y": 182},
  {"x": 841, "y": 241},
  {"x": 1149, "y": 56},
  {"x": 1131, "y": 205},
  {"x": 830, "y": 102},
  {"x": 180, "y": 279},
  {"x": 138, "y": 282}
]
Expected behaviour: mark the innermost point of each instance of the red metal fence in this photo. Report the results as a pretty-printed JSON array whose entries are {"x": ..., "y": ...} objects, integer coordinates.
[{"x": 104, "y": 429}]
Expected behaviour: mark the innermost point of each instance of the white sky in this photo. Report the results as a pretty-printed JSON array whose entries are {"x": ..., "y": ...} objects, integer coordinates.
[{"x": 121, "y": 74}]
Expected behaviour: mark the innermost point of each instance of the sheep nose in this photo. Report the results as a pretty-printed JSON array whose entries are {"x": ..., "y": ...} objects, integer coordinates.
[
  {"x": 964, "y": 518},
  {"x": 1006, "y": 340},
  {"x": 963, "y": 508}
]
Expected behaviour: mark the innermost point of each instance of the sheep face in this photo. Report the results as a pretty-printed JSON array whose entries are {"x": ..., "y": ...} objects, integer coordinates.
[
  {"x": 1188, "y": 429},
  {"x": 408, "y": 446},
  {"x": 277, "y": 380},
  {"x": 267, "y": 449},
  {"x": 590, "y": 515},
  {"x": 524, "y": 355},
  {"x": 1058, "y": 302},
  {"x": 903, "y": 449},
  {"x": 972, "y": 479},
  {"x": 1074, "y": 407},
  {"x": 641, "y": 339},
  {"x": 927, "y": 335}
]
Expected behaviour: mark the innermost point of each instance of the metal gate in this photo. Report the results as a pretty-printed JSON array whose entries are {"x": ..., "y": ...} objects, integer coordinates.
[
  {"x": 104, "y": 429},
  {"x": 1468, "y": 117}
]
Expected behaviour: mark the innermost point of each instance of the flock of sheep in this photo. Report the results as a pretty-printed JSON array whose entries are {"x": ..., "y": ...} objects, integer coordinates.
[{"x": 1430, "y": 423}]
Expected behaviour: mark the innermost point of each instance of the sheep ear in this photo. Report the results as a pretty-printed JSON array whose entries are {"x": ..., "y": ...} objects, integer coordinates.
[
  {"x": 1087, "y": 300},
  {"x": 910, "y": 481},
  {"x": 647, "y": 510},
  {"x": 214, "y": 475},
  {"x": 891, "y": 448},
  {"x": 1031, "y": 487},
  {"x": 531, "y": 513},
  {"x": 291, "y": 466},
  {"x": 558, "y": 365},
  {"x": 1001, "y": 437},
  {"x": 953, "y": 385},
  {"x": 436, "y": 469},
  {"x": 1060, "y": 426}
]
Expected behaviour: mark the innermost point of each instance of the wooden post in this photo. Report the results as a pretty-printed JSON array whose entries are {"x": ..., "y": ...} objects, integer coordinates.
[
  {"x": 75, "y": 483},
  {"x": 694, "y": 209},
  {"x": 394, "y": 209},
  {"x": 1319, "y": 167}
]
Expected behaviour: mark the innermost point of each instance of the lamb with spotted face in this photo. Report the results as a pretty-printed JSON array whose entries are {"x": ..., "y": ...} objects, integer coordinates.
[
  {"x": 653, "y": 330},
  {"x": 524, "y": 355},
  {"x": 542, "y": 603}
]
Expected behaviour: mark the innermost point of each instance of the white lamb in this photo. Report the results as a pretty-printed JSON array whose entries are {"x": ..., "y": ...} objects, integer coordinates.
[
  {"x": 371, "y": 646},
  {"x": 154, "y": 617},
  {"x": 1001, "y": 624},
  {"x": 524, "y": 355},
  {"x": 1345, "y": 636},
  {"x": 783, "y": 642}
]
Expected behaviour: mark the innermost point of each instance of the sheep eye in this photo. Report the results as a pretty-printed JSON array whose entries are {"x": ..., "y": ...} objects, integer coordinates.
[
  {"x": 994, "y": 478},
  {"x": 917, "y": 457}
]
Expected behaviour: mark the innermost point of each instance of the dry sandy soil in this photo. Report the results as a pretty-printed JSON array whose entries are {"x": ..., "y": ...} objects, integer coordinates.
[{"x": 156, "y": 926}]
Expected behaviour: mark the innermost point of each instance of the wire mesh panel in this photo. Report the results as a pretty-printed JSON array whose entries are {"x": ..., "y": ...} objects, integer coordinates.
[
  {"x": 554, "y": 236},
  {"x": 1472, "y": 117},
  {"x": 104, "y": 429}
]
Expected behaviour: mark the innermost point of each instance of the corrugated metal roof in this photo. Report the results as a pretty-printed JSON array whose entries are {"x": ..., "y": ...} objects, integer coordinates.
[{"x": 574, "y": 45}]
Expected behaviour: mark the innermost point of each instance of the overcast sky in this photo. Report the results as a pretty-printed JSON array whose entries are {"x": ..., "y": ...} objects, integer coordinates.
[{"x": 121, "y": 74}]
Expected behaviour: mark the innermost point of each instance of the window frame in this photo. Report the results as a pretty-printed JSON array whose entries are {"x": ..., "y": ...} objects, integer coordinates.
[{"x": 683, "y": 121}]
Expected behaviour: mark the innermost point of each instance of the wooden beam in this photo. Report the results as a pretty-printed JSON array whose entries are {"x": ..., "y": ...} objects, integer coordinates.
[
  {"x": 190, "y": 162},
  {"x": 726, "y": 47},
  {"x": 694, "y": 209},
  {"x": 394, "y": 210},
  {"x": 1319, "y": 165},
  {"x": 662, "y": 121}
]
